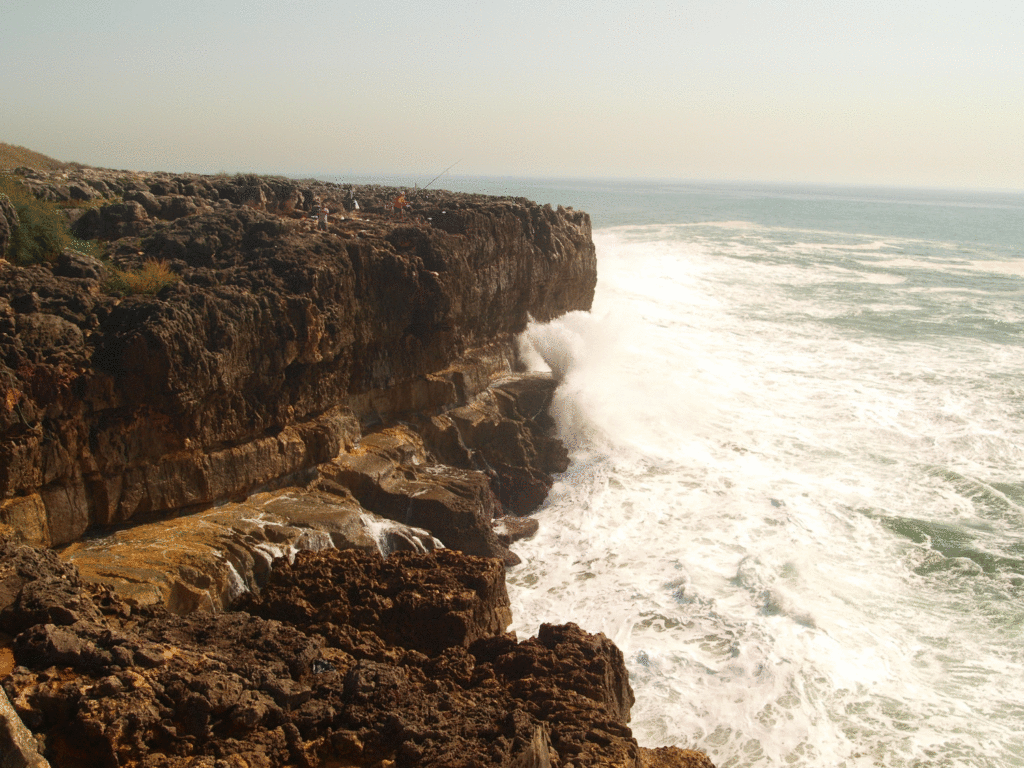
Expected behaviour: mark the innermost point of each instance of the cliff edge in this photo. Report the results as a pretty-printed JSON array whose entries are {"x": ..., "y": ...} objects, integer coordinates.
[
  {"x": 282, "y": 482},
  {"x": 274, "y": 346}
]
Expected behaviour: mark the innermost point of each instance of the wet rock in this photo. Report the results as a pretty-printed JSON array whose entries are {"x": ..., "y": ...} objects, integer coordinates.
[
  {"x": 389, "y": 474},
  {"x": 334, "y": 375},
  {"x": 505, "y": 432},
  {"x": 673, "y": 757},
  {"x": 204, "y": 561}
]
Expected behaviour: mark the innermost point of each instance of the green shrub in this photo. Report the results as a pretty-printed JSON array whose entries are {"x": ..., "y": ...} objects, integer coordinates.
[
  {"x": 151, "y": 278},
  {"x": 42, "y": 231}
]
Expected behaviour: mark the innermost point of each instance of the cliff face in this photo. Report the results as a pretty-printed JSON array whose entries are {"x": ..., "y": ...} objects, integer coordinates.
[
  {"x": 274, "y": 349},
  {"x": 358, "y": 378}
]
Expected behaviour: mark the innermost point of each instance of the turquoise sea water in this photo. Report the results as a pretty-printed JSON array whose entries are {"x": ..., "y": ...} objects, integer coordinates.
[{"x": 796, "y": 498}]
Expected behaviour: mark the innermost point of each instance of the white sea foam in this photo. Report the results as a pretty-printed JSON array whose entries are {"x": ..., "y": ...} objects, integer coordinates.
[{"x": 801, "y": 526}]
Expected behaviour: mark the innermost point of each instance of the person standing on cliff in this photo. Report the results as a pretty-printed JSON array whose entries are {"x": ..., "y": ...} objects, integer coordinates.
[
  {"x": 322, "y": 214},
  {"x": 400, "y": 204}
]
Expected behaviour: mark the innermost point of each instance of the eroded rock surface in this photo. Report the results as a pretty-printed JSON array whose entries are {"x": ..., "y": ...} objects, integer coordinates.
[
  {"x": 344, "y": 658},
  {"x": 338, "y": 395},
  {"x": 8, "y": 223},
  {"x": 205, "y": 560},
  {"x": 273, "y": 350}
]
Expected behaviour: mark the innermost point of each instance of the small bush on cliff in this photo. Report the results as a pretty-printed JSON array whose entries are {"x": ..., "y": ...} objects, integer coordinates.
[
  {"x": 42, "y": 231},
  {"x": 153, "y": 277}
]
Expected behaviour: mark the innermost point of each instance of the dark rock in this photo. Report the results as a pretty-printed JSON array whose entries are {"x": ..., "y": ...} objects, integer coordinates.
[
  {"x": 457, "y": 506},
  {"x": 82, "y": 192},
  {"x": 78, "y": 265},
  {"x": 146, "y": 199},
  {"x": 504, "y": 432},
  {"x": 8, "y": 223},
  {"x": 112, "y": 221},
  {"x": 364, "y": 369},
  {"x": 510, "y": 528},
  {"x": 159, "y": 403},
  {"x": 316, "y": 670},
  {"x": 37, "y": 588},
  {"x": 458, "y": 600}
]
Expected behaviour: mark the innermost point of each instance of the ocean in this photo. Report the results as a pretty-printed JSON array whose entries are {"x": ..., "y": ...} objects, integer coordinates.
[{"x": 796, "y": 496}]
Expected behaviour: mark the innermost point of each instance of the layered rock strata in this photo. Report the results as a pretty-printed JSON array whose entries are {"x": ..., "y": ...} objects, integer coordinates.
[
  {"x": 275, "y": 347},
  {"x": 226, "y": 462}
]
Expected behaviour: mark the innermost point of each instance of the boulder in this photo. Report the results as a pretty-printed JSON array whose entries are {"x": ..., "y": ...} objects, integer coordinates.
[
  {"x": 504, "y": 431},
  {"x": 112, "y": 221},
  {"x": 389, "y": 474},
  {"x": 17, "y": 744}
]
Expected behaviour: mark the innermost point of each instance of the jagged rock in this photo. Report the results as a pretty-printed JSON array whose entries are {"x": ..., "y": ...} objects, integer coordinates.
[
  {"x": 273, "y": 348},
  {"x": 18, "y": 747},
  {"x": 344, "y": 658},
  {"x": 37, "y": 588},
  {"x": 146, "y": 199},
  {"x": 390, "y": 475},
  {"x": 8, "y": 223},
  {"x": 504, "y": 431},
  {"x": 205, "y": 560},
  {"x": 112, "y": 221},
  {"x": 456, "y": 601},
  {"x": 537, "y": 753},
  {"x": 71, "y": 263},
  {"x": 352, "y": 370}
]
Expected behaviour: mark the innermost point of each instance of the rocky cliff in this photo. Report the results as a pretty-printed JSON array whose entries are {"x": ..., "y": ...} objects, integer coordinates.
[
  {"x": 273, "y": 349},
  {"x": 223, "y": 463}
]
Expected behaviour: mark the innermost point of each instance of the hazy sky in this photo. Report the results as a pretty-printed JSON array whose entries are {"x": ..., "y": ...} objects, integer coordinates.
[{"x": 844, "y": 91}]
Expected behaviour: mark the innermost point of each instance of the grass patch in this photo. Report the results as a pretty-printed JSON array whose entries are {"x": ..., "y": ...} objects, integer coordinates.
[
  {"x": 12, "y": 156},
  {"x": 42, "y": 231},
  {"x": 151, "y": 278}
]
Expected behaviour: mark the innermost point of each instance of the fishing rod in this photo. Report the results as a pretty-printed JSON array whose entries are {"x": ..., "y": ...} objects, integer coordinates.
[{"x": 442, "y": 173}]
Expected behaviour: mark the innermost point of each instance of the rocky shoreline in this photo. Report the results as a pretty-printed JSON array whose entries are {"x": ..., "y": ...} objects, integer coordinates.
[{"x": 261, "y": 516}]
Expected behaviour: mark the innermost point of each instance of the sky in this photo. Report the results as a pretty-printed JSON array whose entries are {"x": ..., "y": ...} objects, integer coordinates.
[{"x": 893, "y": 92}]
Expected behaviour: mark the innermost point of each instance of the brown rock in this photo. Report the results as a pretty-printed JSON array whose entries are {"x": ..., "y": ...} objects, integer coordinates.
[
  {"x": 17, "y": 745},
  {"x": 112, "y": 221},
  {"x": 205, "y": 560},
  {"x": 37, "y": 588},
  {"x": 8, "y": 223},
  {"x": 506, "y": 432},
  {"x": 457, "y": 600},
  {"x": 238, "y": 375},
  {"x": 389, "y": 474},
  {"x": 345, "y": 658}
]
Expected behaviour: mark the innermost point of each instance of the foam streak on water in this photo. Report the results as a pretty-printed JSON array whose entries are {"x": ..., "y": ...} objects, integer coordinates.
[{"x": 796, "y": 495}]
